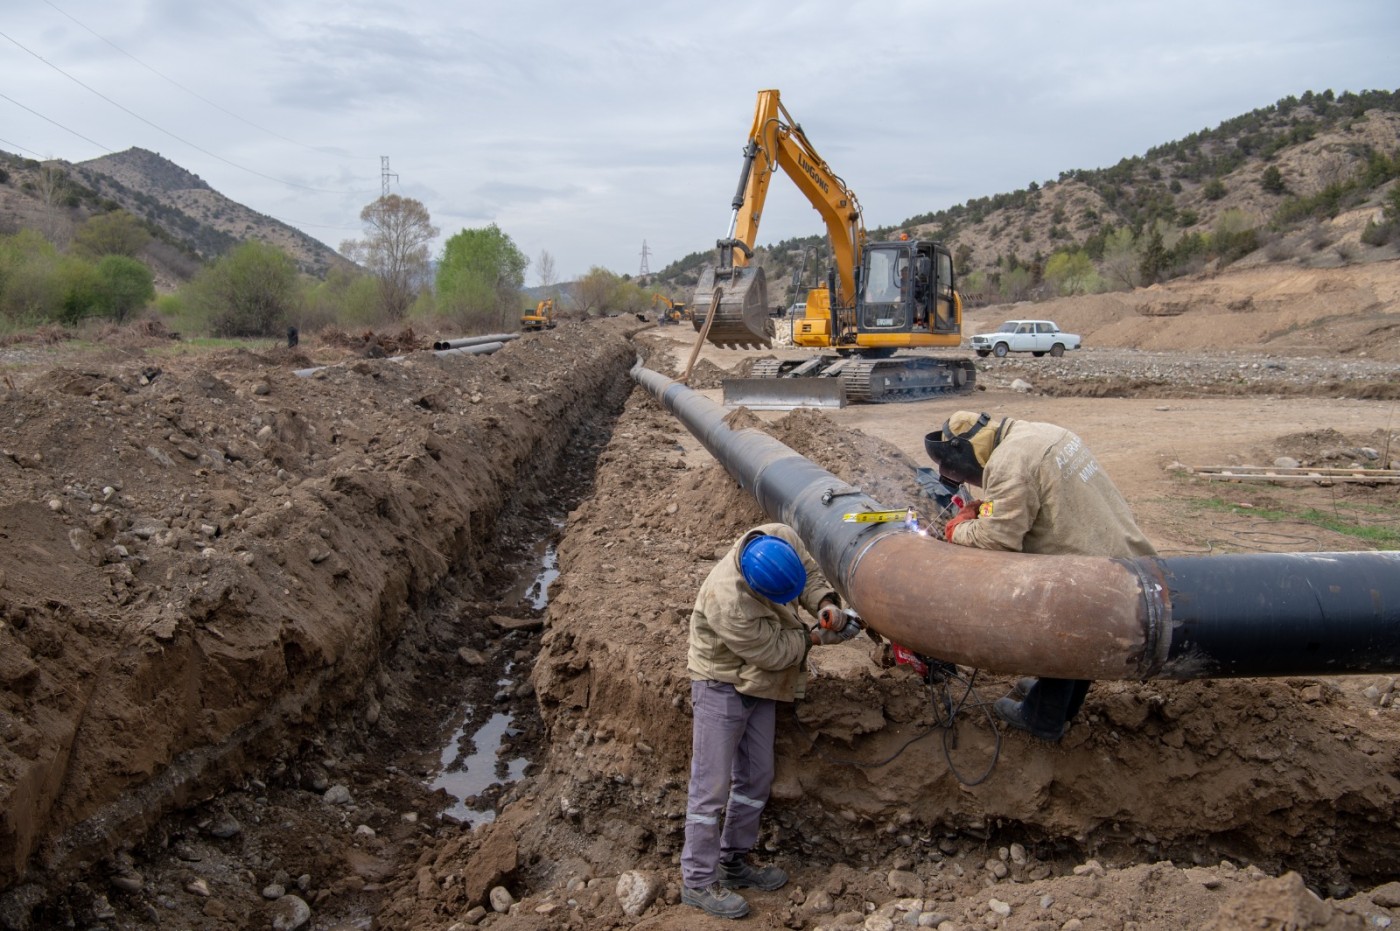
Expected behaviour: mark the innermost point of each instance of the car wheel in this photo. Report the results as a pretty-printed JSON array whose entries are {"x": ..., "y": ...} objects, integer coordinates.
[
  {"x": 1057, "y": 350},
  {"x": 983, "y": 353},
  {"x": 1038, "y": 354},
  {"x": 1000, "y": 350}
]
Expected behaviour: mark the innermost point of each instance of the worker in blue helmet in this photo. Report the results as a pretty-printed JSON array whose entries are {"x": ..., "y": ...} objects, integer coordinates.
[{"x": 748, "y": 651}]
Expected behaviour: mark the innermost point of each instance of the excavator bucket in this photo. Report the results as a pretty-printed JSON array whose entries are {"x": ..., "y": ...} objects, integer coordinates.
[{"x": 741, "y": 319}]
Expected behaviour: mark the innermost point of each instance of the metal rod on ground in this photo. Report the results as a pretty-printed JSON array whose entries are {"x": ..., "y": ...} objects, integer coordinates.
[
  {"x": 704, "y": 332},
  {"x": 1072, "y": 617}
]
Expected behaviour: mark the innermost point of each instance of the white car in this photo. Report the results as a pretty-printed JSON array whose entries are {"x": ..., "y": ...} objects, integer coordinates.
[{"x": 1034, "y": 336}]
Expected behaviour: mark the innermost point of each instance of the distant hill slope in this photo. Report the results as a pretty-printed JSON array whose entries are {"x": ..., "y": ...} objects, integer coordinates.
[
  {"x": 1283, "y": 170},
  {"x": 195, "y": 222},
  {"x": 181, "y": 203}
]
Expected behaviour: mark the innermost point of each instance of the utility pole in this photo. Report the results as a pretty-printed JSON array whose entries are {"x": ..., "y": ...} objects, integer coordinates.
[
  {"x": 645, "y": 271},
  {"x": 385, "y": 174}
]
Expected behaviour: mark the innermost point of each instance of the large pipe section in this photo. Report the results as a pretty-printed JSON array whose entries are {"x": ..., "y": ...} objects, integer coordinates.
[
  {"x": 475, "y": 340},
  {"x": 1074, "y": 617}
]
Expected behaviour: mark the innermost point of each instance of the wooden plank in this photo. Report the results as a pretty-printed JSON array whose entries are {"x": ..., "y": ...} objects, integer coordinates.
[{"x": 1301, "y": 474}]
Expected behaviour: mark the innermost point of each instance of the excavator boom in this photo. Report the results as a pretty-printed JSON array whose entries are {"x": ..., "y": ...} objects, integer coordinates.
[{"x": 736, "y": 288}]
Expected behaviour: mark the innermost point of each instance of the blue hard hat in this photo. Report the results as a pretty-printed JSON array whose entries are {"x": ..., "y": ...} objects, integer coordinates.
[{"x": 773, "y": 569}]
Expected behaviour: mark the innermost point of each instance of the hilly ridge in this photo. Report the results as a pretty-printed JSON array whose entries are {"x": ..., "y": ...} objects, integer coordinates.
[{"x": 1281, "y": 179}]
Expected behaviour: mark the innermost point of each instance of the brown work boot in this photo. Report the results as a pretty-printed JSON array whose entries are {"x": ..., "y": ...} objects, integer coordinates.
[
  {"x": 716, "y": 900},
  {"x": 739, "y": 874}
]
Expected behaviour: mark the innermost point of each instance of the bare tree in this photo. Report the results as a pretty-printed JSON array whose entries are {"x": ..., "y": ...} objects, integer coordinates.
[
  {"x": 544, "y": 268},
  {"x": 52, "y": 187},
  {"x": 395, "y": 249}
]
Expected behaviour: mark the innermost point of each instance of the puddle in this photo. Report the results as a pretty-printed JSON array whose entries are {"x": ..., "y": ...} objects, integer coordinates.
[
  {"x": 534, "y": 590},
  {"x": 465, "y": 777}
]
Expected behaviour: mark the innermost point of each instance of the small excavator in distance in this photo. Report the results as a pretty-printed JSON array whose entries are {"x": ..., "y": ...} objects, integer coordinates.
[
  {"x": 879, "y": 298},
  {"x": 669, "y": 311},
  {"x": 541, "y": 319}
]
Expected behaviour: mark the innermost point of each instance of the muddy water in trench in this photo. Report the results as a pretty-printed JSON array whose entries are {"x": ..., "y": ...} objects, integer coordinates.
[{"x": 477, "y": 757}]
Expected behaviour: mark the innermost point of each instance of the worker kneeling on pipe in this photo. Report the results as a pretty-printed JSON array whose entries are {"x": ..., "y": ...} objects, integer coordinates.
[
  {"x": 748, "y": 651},
  {"x": 1042, "y": 492}
]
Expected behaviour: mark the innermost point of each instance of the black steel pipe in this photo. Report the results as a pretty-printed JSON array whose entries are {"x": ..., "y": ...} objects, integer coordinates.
[{"x": 1267, "y": 614}]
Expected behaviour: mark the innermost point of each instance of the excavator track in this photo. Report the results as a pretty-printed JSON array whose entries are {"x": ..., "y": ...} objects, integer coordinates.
[
  {"x": 775, "y": 384},
  {"x": 913, "y": 378}
]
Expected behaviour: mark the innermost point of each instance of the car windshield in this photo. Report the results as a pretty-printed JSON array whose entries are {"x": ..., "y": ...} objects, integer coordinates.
[{"x": 1007, "y": 328}]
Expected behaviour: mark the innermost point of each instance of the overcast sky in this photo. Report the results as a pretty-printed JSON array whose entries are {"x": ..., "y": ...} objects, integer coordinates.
[{"x": 585, "y": 129}]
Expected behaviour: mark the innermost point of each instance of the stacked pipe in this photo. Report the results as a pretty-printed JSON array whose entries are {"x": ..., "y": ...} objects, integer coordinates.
[
  {"x": 466, "y": 346},
  {"x": 1072, "y": 617}
]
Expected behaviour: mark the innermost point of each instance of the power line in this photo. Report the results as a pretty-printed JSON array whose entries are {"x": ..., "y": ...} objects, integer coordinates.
[
  {"x": 187, "y": 90},
  {"x": 16, "y": 145},
  {"x": 178, "y": 138},
  {"x": 56, "y": 123}
]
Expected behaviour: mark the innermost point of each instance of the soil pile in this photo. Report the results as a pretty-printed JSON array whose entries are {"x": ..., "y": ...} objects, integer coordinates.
[
  {"x": 202, "y": 560},
  {"x": 240, "y": 607}
]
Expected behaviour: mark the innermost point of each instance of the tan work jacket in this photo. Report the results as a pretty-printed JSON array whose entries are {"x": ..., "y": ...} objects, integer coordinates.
[
  {"x": 1044, "y": 492},
  {"x": 740, "y": 637}
]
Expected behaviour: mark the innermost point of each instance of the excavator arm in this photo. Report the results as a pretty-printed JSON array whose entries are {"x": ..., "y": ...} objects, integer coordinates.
[
  {"x": 776, "y": 142},
  {"x": 735, "y": 289}
]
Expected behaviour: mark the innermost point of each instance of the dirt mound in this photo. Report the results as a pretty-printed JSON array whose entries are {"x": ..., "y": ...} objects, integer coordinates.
[
  {"x": 1351, "y": 312},
  {"x": 237, "y": 606},
  {"x": 1165, "y": 807},
  {"x": 199, "y": 562}
]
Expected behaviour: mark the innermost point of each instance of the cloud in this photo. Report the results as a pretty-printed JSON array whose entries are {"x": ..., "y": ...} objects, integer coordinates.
[{"x": 584, "y": 129}]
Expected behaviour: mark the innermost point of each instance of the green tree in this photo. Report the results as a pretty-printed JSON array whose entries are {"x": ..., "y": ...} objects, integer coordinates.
[
  {"x": 1234, "y": 236},
  {"x": 599, "y": 291},
  {"x": 30, "y": 289},
  {"x": 1071, "y": 272},
  {"x": 252, "y": 291},
  {"x": 1016, "y": 284},
  {"x": 1214, "y": 189},
  {"x": 347, "y": 297},
  {"x": 81, "y": 288},
  {"x": 479, "y": 278},
  {"x": 1272, "y": 180},
  {"x": 1120, "y": 259},
  {"x": 1153, "y": 260},
  {"x": 398, "y": 231},
  {"x": 126, "y": 285},
  {"x": 114, "y": 233}
]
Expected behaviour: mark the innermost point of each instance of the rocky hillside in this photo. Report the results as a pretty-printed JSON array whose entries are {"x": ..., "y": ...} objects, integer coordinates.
[
  {"x": 1297, "y": 181},
  {"x": 190, "y": 217}
]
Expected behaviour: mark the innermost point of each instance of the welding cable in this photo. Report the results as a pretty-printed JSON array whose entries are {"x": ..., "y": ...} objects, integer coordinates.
[{"x": 944, "y": 719}]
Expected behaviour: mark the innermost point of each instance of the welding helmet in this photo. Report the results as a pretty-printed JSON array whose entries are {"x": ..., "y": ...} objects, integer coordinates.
[
  {"x": 958, "y": 450},
  {"x": 772, "y": 568}
]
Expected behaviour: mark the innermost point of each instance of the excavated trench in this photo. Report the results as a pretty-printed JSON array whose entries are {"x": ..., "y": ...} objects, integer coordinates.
[{"x": 566, "y": 697}]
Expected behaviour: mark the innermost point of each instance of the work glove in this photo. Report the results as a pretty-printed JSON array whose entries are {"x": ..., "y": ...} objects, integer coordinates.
[
  {"x": 836, "y": 626},
  {"x": 968, "y": 512}
]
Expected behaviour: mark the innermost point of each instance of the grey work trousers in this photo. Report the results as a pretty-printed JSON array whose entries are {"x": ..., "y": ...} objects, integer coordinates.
[{"x": 731, "y": 772}]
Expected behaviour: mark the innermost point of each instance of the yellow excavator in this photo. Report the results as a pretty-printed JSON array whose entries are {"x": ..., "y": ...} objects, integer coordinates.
[
  {"x": 878, "y": 299},
  {"x": 667, "y": 310},
  {"x": 541, "y": 319}
]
